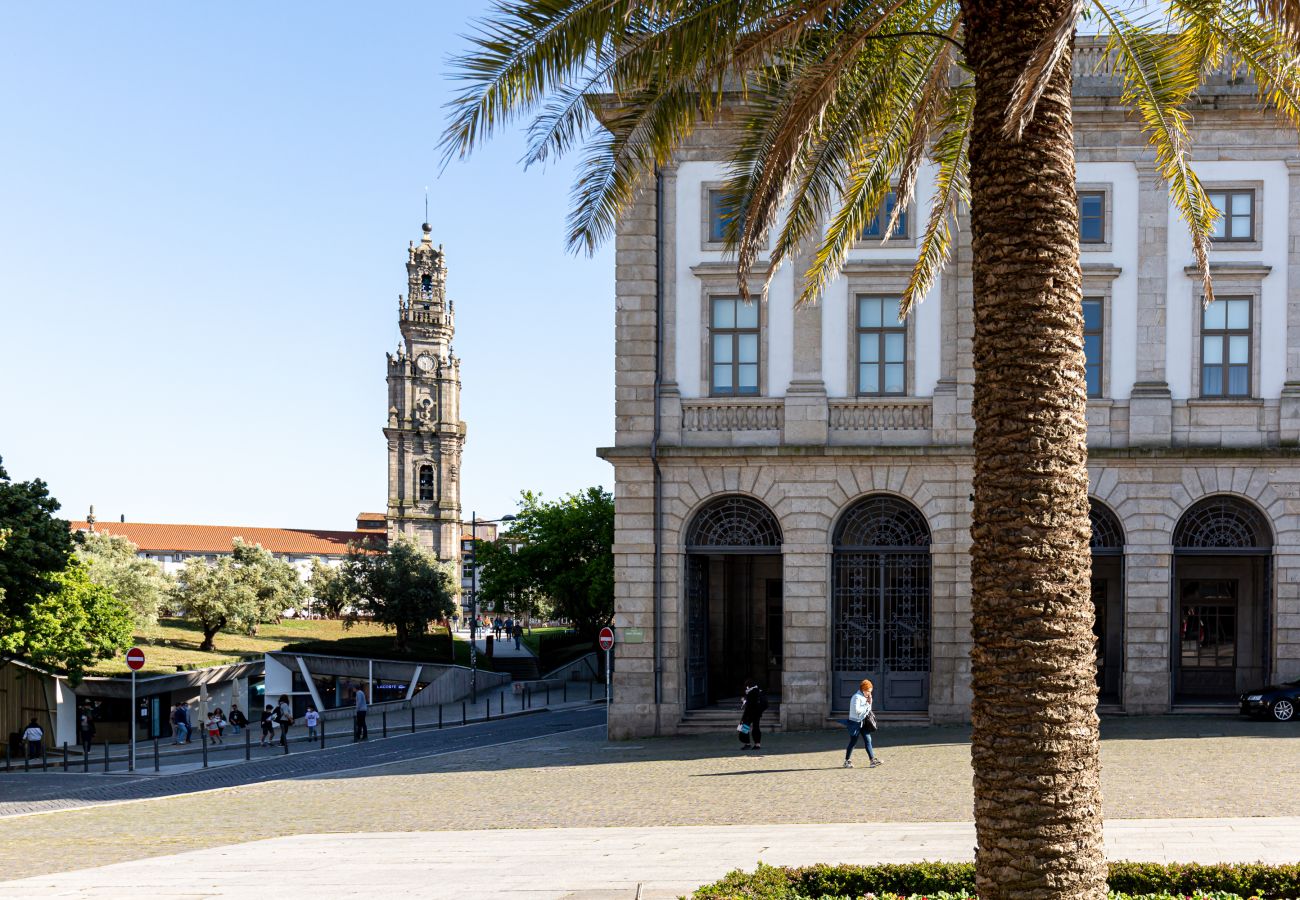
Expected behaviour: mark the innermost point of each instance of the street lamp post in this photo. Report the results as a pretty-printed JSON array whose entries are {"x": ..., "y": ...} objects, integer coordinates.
[{"x": 473, "y": 598}]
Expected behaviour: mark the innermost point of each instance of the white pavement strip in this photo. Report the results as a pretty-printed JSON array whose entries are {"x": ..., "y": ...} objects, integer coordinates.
[{"x": 592, "y": 863}]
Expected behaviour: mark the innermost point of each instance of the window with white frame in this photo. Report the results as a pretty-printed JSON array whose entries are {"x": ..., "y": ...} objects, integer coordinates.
[
  {"x": 882, "y": 347},
  {"x": 1237, "y": 219},
  {"x": 1094, "y": 333},
  {"x": 1225, "y": 348},
  {"x": 733, "y": 347}
]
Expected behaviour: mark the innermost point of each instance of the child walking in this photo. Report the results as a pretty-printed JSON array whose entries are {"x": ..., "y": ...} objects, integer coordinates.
[{"x": 312, "y": 718}]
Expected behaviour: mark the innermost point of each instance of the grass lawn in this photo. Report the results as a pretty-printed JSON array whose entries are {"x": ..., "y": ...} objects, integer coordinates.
[{"x": 175, "y": 642}]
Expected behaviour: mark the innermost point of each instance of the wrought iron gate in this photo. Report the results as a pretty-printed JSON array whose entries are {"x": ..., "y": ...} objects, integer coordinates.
[
  {"x": 881, "y": 605},
  {"x": 697, "y": 632}
]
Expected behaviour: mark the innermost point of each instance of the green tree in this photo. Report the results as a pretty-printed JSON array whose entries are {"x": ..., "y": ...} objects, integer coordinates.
[
  {"x": 565, "y": 554},
  {"x": 238, "y": 592},
  {"x": 327, "y": 589},
  {"x": 506, "y": 582},
  {"x": 71, "y": 627},
  {"x": 39, "y": 544},
  {"x": 114, "y": 562},
  {"x": 828, "y": 104},
  {"x": 401, "y": 587}
]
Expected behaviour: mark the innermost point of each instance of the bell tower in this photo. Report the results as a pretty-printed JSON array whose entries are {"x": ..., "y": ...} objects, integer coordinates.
[{"x": 425, "y": 434}]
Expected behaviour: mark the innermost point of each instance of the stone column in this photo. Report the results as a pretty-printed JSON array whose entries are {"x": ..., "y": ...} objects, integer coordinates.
[
  {"x": 1151, "y": 405},
  {"x": 806, "y": 410},
  {"x": 1290, "y": 402}
]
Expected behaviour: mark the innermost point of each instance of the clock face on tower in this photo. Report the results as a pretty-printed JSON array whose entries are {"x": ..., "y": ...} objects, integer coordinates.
[{"x": 424, "y": 362}]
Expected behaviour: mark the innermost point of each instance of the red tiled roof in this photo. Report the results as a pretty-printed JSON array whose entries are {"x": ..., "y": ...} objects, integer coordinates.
[{"x": 155, "y": 538}]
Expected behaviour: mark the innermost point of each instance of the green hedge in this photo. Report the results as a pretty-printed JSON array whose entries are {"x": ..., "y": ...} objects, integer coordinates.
[{"x": 939, "y": 880}]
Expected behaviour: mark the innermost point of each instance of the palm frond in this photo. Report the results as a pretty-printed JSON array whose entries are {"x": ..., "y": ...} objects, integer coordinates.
[
  {"x": 1158, "y": 83},
  {"x": 1285, "y": 14},
  {"x": 951, "y": 155},
  {"x": 1033, "y": 81}
]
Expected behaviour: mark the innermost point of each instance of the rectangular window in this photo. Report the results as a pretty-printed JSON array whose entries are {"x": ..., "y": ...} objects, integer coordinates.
[
  {"x": 1225, "y": 348},
  {"x": 1237, "y": 220},
  {"x": 882, "y": 347},
  {"x": 1092, "y": 217},
  {"x": 733, "y": 340},
  {"x": 1093, "y": 331},
  {"x": 876, "y": 227},
  {"x": 720, "y": 215}
]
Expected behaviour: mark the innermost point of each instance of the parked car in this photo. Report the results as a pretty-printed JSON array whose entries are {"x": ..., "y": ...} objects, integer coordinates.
[{"x": 1280, "y": 701}]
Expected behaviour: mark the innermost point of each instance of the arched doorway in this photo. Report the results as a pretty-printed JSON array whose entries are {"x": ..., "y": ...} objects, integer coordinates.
[
  {"x": 1222, "y": 546},
  {"x": 733, "y": 601},
  {"x": 880, "y": 604},
  {"x": 1108, "y": 599}
]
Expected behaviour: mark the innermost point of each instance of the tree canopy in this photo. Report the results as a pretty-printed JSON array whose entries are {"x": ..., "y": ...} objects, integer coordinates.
[
  {"x": 38, "y": 545},
  {"x": 402, "y": 588},
  {"x": 328, "y": 591},
  {"x": 238, "y": 592},
  {"x": 75, "y": 624},
  {"x": 113, "y": 562},
  {"x": 564, "y": 554}
]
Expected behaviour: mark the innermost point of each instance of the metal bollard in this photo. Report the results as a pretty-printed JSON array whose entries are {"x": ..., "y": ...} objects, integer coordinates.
[
  {"x": 591, "y": 687},
  {"x": 286, "y": 745},
  {"x": 412, "y": 718},
  {"x": 105, "y": 756},
  {"x": 248, "y": 743},
  {"x": 45, "y": 763},
  {"x": 440, "y": 716},
  {"x": 204, "y": 741},
  {"x": 65, "y": 756},
  {"x": 85, "y": 757},
  {"x": 155, "y": 754},
  {"x": 384, "y": 718},
  {"x": 27, "y": 760},
  {"x": 322, "y": 732},
  {"x": 462, "y": 712},
  {"x": 566, "y": 692},
  {"x": 7, "y": 763},
  {"x": 548, "y": 696},
  {"x": 503, "y": 703},
  {"x": 521, "y": 699}
]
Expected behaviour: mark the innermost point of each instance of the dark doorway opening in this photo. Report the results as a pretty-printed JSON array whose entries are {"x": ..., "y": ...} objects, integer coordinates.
[
  {"x": 734, "y": 602},
  {"x": 1107, "y": 546},
  {"x": 1221, "y": 601}
]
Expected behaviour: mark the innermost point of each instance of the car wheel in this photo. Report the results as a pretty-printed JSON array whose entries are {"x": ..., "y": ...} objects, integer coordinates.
[{"x": 1283, "y": 710}]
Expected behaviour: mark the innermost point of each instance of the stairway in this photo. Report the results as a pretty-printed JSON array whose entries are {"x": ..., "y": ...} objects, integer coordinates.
[
  {"x": 725, "y": 717},
  {"x": 519, "y": 668}
]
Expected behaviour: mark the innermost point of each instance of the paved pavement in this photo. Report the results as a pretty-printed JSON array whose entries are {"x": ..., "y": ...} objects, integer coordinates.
[
  {"x": 1152, "y": 769},
  {"x": 24, "y": 793},
  {"x": 591, "y": 863}
]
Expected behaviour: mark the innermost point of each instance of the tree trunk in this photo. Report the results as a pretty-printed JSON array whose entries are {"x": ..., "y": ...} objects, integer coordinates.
[
  {"x": 210, "y": 634},
  {"x": 1034, "y": 746}
]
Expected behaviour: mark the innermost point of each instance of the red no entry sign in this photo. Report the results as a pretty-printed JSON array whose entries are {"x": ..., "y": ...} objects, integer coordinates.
[
  {"x": 606, "y": 638},
  {"x": 135, "y": 659}
]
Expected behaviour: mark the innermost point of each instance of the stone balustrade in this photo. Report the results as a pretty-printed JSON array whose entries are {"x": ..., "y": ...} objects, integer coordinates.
[
  {"x": 732, "y": 414},
  {"x": 902, "y": 414}
]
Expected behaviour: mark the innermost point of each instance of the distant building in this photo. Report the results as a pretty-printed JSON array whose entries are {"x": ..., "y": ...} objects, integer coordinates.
[{"x": 170, "y": 546}]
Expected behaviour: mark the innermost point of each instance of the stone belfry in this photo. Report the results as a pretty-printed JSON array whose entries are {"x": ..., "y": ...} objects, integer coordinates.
[{"x": 425, "y": 434}]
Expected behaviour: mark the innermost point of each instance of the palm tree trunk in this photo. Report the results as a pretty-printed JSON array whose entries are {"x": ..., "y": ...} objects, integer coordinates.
[{"x": 1034, "y": 747}]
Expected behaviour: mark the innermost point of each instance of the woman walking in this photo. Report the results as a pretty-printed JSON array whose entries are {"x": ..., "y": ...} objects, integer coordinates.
[
  {"x": 751, "y": 710},
  {"x": 862, "y": 721}
]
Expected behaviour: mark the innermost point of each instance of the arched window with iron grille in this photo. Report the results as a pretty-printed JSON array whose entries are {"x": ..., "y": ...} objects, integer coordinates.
[
  {"x": 1107, "y": 589},
  {"x": 880, "y": 604}
]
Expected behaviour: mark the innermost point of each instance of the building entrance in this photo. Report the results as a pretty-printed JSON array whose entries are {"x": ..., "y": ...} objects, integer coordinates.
[
  {"x": 1108, "y": 600},
  {"x": 1222, "y": 550},
  {"x": 880, "y": 603},
  {"x": 734, "y": 611}
]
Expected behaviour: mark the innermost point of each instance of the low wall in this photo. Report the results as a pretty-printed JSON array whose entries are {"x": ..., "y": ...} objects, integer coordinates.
[
  {"x": 584, "y": 668},
  {"x": 443, "y": 683}
]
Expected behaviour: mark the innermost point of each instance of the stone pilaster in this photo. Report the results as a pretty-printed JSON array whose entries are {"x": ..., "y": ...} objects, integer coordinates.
[
  {"x": 1151, "y": 405},
  {"x": 1289, "y": 411},
  {"x": 806, "y": 411}
]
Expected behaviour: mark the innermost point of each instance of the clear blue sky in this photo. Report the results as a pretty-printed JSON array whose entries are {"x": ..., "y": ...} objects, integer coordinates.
[{"x": 204, "y": 214}]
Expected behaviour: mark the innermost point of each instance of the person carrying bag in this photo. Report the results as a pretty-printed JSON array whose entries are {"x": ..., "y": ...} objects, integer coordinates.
[{"x": 861, "y": 723}]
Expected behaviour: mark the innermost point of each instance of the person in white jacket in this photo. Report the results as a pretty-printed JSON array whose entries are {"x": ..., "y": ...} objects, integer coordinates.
[{"x": 861, "y": 723}]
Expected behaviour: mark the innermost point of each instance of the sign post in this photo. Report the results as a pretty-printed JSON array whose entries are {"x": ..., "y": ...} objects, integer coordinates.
[
  {"x": 135, "y": 662},
  {"x": 607, "y": 644}
]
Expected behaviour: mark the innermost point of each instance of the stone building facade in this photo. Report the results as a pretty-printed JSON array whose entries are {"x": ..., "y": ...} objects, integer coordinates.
[
  {"x": 425, "y": 433},
  {"x": 793, "y": 485}
]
